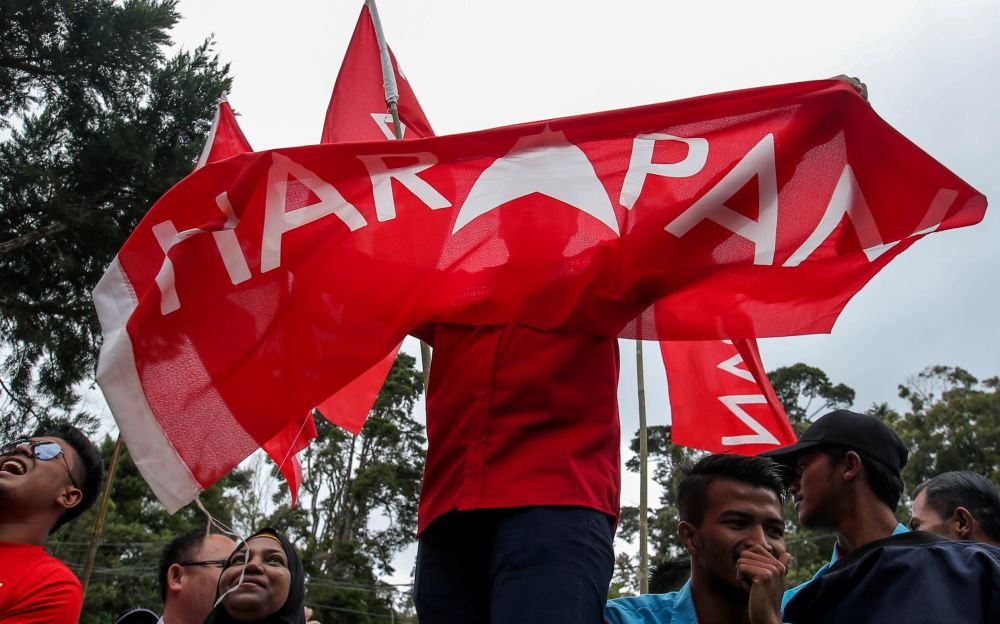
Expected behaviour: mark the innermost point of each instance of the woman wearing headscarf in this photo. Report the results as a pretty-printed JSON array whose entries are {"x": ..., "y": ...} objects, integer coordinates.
[{"x": 263, "y": 583}]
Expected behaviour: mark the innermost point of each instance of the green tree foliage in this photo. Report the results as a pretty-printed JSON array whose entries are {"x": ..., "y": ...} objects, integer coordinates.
[
  {"x": 806, "y": 392},
  {"x": 136, "y": 530},
  {"x": 953, "y": 424},
  {"x": 358, "y": 505},
  {"x": 97, "y": 122},
  {"x": 667, "y": 463}
]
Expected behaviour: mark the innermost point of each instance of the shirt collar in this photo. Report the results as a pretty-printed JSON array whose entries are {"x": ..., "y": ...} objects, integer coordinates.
[
  {"x": 684, "y": 612},
  {"x": 900, "y": 528}
]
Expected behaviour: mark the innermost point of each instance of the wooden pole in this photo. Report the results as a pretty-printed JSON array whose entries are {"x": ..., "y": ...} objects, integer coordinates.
[
  {"x": 425, "y": 349},
  {"x": 102, "y": 510},
  {"x": 643, "y": 476}
]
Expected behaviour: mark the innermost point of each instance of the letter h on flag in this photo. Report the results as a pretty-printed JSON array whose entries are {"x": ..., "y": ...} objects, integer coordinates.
[{"x": 225, "y": 140}]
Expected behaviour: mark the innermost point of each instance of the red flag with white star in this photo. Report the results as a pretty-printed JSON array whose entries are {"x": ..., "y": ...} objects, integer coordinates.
[{"x": 752, "y": 213}]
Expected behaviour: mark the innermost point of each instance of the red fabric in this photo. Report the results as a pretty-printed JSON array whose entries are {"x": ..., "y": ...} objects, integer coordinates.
[
  {"x": 284, "y": 448},
  {"x": 350, "y": 406},
  {"x": 226, "y": 139},
  {"x": 519, "y": 417},
  {"x": 720, "y": 398},
  {"x": 358, "y": 93},
  {"x": 524, "y": 224},
  {"x": 358, "y": 112},
  {"x": 36, "y": 588}
]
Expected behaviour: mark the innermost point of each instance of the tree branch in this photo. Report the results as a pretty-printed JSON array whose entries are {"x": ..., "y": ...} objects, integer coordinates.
[{"x": 26, "y": 239}]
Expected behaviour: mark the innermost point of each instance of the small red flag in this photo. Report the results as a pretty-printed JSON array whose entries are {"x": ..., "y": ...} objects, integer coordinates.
[
  {"x": 225, "y": 139},
  {"x": 720, "y": 398},
  {"x": 358, "y": 110}
]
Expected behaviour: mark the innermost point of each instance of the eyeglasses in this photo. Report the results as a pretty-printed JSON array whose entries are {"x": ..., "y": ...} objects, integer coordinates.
[
  {"x": 214, "y": 563},
  {"x": 42, "y": 450}
]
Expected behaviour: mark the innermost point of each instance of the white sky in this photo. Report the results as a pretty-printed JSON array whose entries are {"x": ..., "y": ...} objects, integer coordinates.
[{"x": 931, "y": 67}]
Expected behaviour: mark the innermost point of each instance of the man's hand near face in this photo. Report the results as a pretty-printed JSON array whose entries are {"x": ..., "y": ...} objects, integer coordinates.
[{"x": 764, "y": 577}]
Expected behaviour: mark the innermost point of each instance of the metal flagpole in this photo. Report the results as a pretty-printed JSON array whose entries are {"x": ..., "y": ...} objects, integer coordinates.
[
  {"x": 102, "y": 510},
  {"x": 391, "y": 101},
  {"x": 643, "y": 476}
]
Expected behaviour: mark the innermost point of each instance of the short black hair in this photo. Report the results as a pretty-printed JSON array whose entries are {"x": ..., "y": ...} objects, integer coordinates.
[
  {"x": 885, "y": 482},
  {"x": 669, "y": 575},
  {"x": 692, "y": 494},
  {"x": 964, "y": 488},
  {"x": 90, "y": 462},
  {"x": 181, "y": 548}
]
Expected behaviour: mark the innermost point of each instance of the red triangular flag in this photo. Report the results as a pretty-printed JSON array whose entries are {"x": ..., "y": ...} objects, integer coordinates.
[
  {"x": 225, "y": 139},
  {"x": 284, "y": 448},
  {"x": 720, "y": 398},
  {"x": 358, "y": 112}
]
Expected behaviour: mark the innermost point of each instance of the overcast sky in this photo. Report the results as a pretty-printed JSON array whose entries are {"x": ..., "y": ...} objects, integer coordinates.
[{"x": 932, "y": 70}]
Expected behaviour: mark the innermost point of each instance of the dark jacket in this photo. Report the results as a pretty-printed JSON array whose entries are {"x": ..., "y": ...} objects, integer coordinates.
[{"x": 912, "y": 577}]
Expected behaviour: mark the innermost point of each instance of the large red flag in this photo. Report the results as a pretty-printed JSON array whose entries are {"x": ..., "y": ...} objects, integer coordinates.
[
  {"x": 358, "y": 112},
  {"x": 753, "y": 213},
  {"x": 225, "y": 140},
  {"x": 720, "y": 398}
]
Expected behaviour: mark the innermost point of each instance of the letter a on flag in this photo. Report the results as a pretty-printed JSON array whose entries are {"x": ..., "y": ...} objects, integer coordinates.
[{"x": 358, "y": 112}]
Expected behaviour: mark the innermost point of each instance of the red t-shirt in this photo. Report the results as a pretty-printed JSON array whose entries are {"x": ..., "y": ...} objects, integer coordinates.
[
  {"x": 36, "y": 588},
  {"x": 520, "y": 417}
]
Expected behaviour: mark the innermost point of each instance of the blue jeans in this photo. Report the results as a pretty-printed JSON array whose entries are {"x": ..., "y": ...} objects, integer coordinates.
[{"x": 526, "y": 565}]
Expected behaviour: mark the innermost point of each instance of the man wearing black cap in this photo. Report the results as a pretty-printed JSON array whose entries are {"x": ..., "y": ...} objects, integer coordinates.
[{"x": 847, "y": 478}]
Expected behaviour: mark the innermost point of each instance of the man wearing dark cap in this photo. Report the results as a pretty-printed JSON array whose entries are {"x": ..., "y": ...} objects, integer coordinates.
[{"x": 847, "y": 478}]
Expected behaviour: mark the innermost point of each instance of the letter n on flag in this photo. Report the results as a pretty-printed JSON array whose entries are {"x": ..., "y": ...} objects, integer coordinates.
[
  {"x": 720, "y": 398},
  {"x": 358, "y": 112}
]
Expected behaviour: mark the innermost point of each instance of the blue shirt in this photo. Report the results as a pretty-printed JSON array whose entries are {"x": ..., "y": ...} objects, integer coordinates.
[
  {"x": 673, "y": 608},
  {"x": 836, "y": 555}
]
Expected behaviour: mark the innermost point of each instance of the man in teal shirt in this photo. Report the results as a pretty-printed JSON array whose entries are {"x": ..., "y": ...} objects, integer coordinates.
[
  {"x": 733, "y": 529},
  {"x": 847, "y": 479}
]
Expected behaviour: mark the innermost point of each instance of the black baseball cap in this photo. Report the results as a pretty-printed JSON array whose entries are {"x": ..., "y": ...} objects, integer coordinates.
[{"x": 863, "y": 433}]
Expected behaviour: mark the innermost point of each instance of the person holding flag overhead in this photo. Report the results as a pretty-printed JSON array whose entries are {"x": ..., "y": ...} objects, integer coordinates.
[{"x": 520, "y": 490}]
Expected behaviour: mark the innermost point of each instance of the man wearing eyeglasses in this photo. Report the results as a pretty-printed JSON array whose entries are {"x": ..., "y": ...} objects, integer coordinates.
[
  {"x": 45, "y": 481},
  {"x": 189, "y": 572}
]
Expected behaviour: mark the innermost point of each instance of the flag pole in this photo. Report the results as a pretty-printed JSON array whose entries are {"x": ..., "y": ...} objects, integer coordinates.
[
  {"x": 102, "y": 510},
  {"x": 643, "y": 476},
  {"x": 391, "y": 101}
]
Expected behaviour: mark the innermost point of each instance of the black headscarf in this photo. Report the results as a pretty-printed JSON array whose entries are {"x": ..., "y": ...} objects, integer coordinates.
[{"x": 293, "y": 611}]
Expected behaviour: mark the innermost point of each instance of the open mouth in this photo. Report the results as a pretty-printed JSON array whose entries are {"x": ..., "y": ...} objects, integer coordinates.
[{"x": 14, "y": 466}]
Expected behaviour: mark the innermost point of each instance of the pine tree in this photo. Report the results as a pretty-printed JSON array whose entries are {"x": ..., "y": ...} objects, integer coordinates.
[{"x": 96, "y": 122}]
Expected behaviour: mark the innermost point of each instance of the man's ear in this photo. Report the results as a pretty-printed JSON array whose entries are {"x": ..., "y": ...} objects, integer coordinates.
[
  {"x": 687, "y": 533},
  {"x": 70, "y": 497},
  {"x": 174, "y": 575},
  {"x": 963, "y": 523},
  {"x": 850, "y": 466}
]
